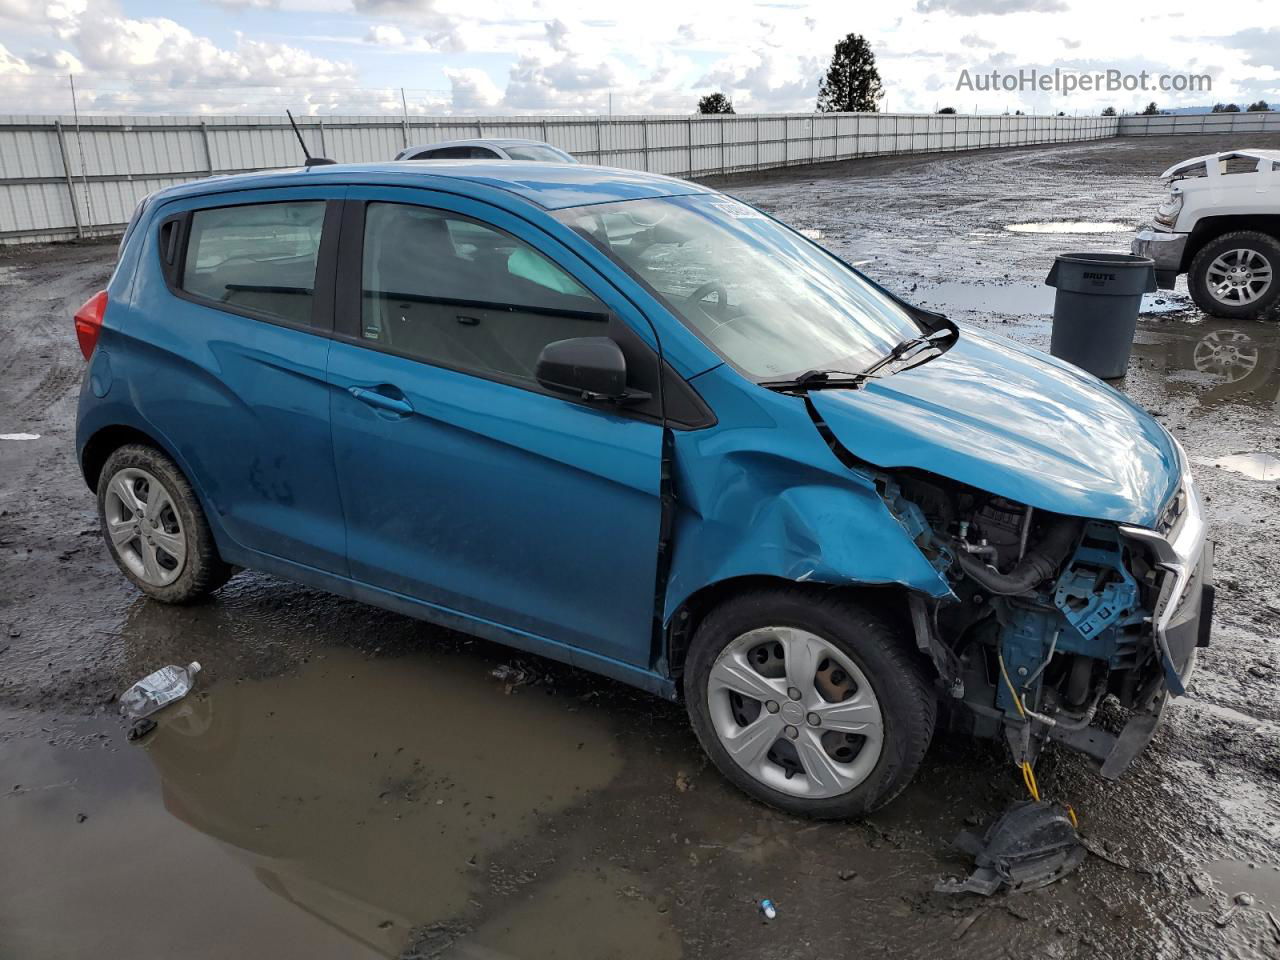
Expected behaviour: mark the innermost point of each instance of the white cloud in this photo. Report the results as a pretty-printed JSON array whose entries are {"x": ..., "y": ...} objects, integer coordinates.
[
  {"x": 11, "y": 65},
  {"x": 973, "y": 8},
  {"x": 765, "y": 80},
  {"x": 59, "y": 61},
  {"x": 472, "y": 91},
  {"x": 570, "y": 56},
  {"x": 159, "y": 49}
]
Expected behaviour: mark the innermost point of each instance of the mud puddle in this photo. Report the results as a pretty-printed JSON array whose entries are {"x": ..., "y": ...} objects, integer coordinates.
[
  {"x": 1213, "y": 363},
  {"x": 335, "y": 810},
  {"x": 1257, "y": 466},
  {"x": 1016, "y": 299},
  {"x": 1070, "y": 226},
  {"x": 1245, "y": 883}
]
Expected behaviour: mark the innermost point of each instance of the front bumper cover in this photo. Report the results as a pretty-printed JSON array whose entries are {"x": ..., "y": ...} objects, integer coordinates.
[
  {"x": 1165, "y": 250},
  {"x": 1180, "y": 623}
]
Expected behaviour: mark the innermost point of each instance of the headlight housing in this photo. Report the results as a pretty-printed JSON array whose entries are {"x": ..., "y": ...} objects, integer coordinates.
[{"x": 1167, "y": 212}]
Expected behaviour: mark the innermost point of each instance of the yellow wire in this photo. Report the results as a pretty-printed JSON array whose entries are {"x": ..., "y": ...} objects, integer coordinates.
[
  {"x": 1017, "y": 700},
  {"x": 1028, "y": 775},
  {"x": 1029, "y": 778}
]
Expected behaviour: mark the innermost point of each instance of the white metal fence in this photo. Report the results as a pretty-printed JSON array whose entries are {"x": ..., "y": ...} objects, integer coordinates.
[
  {"x": 60, "y": 179},
  {"x": 1210, "y": 123}
]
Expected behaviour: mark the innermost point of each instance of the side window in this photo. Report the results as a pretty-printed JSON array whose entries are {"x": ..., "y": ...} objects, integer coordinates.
[
  {"x": 454, "y": 292},
  {"x": 258, "y": 257},
  {"x": 446, "y": 153},
  {"x": 482, "y": 153}
]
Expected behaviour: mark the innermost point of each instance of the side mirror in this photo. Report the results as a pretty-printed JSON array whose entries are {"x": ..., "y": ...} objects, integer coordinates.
[{"x": 592, "y": 367}]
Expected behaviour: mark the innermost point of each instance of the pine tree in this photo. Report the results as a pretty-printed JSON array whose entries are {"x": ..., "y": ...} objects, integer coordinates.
[{"x": 852, "y": 83}]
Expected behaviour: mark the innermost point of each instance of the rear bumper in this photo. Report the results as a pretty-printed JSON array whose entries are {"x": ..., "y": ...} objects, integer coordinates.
[{"x": 1165, "y": 250}]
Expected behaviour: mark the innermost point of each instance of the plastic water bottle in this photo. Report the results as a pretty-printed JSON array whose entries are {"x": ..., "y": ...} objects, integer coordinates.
[
  {"x": 767, "y": 909},
  {"x": 158, "y": 689}
]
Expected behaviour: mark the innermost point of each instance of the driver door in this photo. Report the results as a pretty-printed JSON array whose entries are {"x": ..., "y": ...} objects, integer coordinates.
[{"x": 465, "y": 484}]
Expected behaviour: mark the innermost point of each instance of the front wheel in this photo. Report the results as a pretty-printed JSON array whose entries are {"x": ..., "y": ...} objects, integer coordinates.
[
  {"x": 808, "y": 702},
  {"x": 1235, "y": 275}
]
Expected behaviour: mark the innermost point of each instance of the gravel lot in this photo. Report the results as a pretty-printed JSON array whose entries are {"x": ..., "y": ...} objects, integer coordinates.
[{"x": 351, "y": 783}]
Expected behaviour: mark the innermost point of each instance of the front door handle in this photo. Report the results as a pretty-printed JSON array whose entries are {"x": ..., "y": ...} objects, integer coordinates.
[{"x": 376, "y": 398}]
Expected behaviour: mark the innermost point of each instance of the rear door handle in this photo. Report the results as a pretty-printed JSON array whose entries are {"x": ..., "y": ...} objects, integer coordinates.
[{"x": 376, "y": 398}]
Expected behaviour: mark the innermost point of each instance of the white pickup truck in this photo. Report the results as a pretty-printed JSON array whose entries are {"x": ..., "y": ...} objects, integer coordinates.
[{"x": 1220, "y": 225}]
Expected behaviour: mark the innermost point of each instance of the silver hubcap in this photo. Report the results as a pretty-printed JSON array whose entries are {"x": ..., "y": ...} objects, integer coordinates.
[
  {"x": 795, "y": 712},
  {"x": 143, "y": 524},
  {"x": 1239, "y": 277},
  {"x": 1230, "y": 354}
]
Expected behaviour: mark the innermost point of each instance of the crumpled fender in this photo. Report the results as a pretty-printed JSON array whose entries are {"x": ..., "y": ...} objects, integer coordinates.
[{"x": 761, "y": 494}]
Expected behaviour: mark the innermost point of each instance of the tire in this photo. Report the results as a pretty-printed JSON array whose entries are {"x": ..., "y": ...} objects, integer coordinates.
[
  {"x": 1245, "y": 295},
  {"x": 847, "y": 646},
  {"x": 170, "y": 557}
]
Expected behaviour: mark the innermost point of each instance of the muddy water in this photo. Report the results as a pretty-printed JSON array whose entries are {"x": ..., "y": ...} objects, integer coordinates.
[{"x": 339, "y": 807}]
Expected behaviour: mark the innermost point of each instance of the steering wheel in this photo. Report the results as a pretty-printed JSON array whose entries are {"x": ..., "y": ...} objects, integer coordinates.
[{"x": 722, "y": 299}]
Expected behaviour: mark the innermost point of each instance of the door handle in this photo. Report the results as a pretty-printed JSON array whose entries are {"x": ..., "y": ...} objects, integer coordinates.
[{"x": 375, "y": 398}]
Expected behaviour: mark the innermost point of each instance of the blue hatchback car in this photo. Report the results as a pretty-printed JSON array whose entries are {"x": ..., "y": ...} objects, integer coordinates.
[{"x": 636, "y": 425}]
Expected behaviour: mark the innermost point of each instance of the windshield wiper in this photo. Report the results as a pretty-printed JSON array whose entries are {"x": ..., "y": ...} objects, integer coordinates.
[
  {"x": 817, "y": 380},
  {"x": 840, "y": 379},
  {"x": 911, "y": 348}
]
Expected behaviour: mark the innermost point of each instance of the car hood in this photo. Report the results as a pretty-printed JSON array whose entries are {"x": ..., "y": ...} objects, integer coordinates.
[{"x": 1015, "y": 422}]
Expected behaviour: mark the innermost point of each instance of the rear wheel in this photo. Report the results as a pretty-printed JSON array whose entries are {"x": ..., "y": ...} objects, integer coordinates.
[
  {"x": 1235, "y": 275},
  {"x": 154, "y": 527},
  {"x": 808, "y": 702}
]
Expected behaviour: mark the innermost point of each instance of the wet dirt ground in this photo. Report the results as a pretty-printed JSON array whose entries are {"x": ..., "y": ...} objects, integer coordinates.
[{"x": 346, "y": 782}]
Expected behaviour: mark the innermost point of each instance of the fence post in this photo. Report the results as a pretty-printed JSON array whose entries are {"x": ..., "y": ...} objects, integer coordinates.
[
  {"x": 208, "y": 153},
  {"x": 644, "y": 143},
  {"x": 689, "y": 130},
  {"x": 71, "y": 185},
  {"x": 724, "y": 167},
  {"x": 757, "y": 141},
  {"x": 600, "y": 142}
]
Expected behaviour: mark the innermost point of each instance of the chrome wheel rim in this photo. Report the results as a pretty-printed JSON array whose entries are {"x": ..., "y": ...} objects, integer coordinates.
[
  {"x": 143, "y": 525},
  {"x": 1230, "y": 354},
  {"x": 795, "y": 712},
  {"x": 1239, "y": 277}
]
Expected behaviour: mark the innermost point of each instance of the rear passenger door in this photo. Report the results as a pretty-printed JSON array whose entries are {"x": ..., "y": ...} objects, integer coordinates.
[
  {"x": 232, "y": 333},
  {"x": 465, "y": 483}
]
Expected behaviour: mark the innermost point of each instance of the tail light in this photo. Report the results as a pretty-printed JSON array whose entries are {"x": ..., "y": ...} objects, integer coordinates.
[{"x": 89, "y": 322}]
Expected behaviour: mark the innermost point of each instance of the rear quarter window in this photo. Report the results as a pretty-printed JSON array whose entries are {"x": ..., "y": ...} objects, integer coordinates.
[{"x": 257, "y": 258}]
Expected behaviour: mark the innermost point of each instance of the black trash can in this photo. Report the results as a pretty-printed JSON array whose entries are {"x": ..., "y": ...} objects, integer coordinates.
[{"x": 1096, "y": 308}]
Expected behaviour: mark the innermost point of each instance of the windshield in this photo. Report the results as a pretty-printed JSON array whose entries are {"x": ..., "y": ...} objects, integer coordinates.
[
  {"x": 540, "y": 154},
  {"x": 768, "y": 301}
]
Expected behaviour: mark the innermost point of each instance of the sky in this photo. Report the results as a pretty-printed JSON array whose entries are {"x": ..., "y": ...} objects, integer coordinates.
[{"x": 498, "y": 57}]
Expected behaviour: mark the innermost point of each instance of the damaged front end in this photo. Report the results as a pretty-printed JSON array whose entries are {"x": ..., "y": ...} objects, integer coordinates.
[{"x": 1050, "y": 614}]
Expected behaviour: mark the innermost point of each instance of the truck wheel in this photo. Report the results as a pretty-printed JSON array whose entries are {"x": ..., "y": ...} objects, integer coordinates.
[
  {"x": 154, "y": 527},
  {"x": 808, "y": 702},
  {"x": 1235, "y": 275}
]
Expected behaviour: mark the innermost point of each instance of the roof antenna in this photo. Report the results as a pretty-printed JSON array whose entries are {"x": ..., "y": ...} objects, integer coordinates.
[{"x": 310, "y": 161}]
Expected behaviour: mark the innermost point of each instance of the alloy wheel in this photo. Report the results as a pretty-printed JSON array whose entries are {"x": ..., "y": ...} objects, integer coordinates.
[
  {"x": 795, "y": 712},
  {"x": 1239, "y": 277},
  {"x": 144, "y": 526}
]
